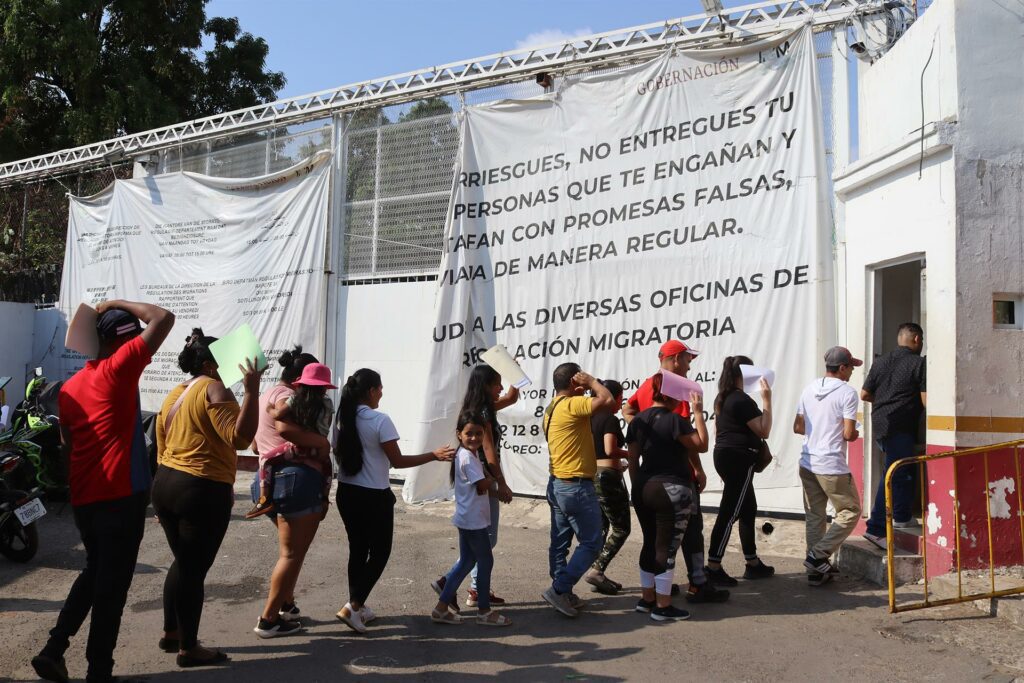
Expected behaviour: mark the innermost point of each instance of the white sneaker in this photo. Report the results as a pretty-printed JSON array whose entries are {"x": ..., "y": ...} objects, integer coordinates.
[
  {"x": 353, "y": 619},
  {"x": 879, "y": 541},
  {"x": 366, "y": 614}
]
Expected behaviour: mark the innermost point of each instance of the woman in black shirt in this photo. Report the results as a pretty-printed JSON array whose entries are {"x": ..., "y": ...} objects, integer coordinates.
[
  {"x": 659, "y": 467},
  {"x": 740, "y": 428},
  {"x": 611, "y": 490}
]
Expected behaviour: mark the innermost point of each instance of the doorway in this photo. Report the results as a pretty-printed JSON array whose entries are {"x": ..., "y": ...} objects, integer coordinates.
[{"x": 897, "y": 291}]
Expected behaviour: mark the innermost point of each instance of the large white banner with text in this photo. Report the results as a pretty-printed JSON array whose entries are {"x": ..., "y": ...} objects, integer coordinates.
[
  {"x": 216, "y": 252},
  {"x": 683, "y": 199}
]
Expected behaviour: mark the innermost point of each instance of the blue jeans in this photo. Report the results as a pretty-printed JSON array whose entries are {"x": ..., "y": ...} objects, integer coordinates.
[
  {"x": 895, "y": 447},
  {"x": 474, "y": 550},
  {"x": 575, "y": 509},
  {"x": 492, "y": 533}
]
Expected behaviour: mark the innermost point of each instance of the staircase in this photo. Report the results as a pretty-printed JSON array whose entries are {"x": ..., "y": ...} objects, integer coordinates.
[{"x": 859, "y": 557}]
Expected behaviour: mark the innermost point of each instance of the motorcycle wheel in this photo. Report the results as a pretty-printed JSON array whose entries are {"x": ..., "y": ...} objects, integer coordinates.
[{"x": 18, "y": 543}]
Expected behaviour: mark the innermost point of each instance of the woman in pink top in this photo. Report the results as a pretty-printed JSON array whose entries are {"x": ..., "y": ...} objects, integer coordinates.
[{"x": 295, "y": 531}]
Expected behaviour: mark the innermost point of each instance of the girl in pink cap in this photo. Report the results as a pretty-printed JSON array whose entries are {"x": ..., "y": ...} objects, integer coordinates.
[{"x": 311, "y": 409}]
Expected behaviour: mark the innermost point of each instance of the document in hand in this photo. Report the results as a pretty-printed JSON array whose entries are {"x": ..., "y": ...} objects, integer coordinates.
[
  {"x": 81, "y": 336},
  {"x": 678, "y": 387},
  {"x": 752, "y": 377},
  {"x": 502, "y": 361},
  {"x": 233, "y": 350}
]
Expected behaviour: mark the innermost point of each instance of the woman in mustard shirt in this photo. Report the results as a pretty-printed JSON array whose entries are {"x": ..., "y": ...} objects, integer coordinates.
[{"x": 198, "y": 432}]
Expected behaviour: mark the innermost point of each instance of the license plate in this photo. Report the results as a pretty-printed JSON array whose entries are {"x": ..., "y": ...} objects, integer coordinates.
[{"x": 30, "y": 512}]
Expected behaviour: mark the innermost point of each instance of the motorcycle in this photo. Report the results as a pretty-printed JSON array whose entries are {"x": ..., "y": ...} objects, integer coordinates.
[{"x": 20, "y": 507}]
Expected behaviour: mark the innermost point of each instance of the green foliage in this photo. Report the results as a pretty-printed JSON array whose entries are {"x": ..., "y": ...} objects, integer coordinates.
[{"x": 78, "y": 71}]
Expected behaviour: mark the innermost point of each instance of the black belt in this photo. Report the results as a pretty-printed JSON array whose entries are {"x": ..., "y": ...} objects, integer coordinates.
[{"x": 575, "y": 479}]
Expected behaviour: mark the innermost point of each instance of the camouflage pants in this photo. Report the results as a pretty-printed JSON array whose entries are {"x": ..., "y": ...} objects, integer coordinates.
[{"x": 615, "y": 514}]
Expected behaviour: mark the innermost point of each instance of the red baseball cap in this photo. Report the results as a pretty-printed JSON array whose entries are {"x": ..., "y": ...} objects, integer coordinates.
[{"x": 674, "y": 347}]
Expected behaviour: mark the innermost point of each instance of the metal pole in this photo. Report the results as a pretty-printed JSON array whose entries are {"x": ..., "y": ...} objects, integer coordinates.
[
  {"x": 988, "y": 519},
  {"x": 956, "y": 515},
  {"x": 890, "y": 554},
  {"x": 376, "y": 201},
  {"x": 24, "y": 222},
  {"x": 924, "y": 528},
  {"x": 1020, "y": 500}
]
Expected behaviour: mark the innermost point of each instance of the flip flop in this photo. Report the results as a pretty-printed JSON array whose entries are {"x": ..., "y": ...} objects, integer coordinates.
[
  {"x": 493, "y": 618},
  {"x": 444, "y": 618}
]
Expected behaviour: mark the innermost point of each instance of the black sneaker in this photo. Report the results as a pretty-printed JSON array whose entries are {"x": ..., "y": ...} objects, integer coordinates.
[
  {"x": 644, "y": 606},
  {"x": 706, "y": 592},
  {"x": 290, "y": 611},
  {"x": 719, "y": 577},
  {"x": 273, "y": 629},
  {"x": 670, "y": 613},
  {"x": 50, "y": 668},
  {"x": 816, "y": 579},
  {"x": 758, "y": 571},
  {"x": 822, "y": 566}
]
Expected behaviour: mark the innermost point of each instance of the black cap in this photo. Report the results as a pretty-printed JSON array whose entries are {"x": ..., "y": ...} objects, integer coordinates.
[{"x": 116, "y": 323}]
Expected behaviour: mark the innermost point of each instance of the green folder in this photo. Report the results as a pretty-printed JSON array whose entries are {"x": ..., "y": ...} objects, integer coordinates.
[{"x": 233, "y": 349}]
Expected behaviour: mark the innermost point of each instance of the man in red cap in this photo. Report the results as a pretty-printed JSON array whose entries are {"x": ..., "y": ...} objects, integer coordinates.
[{"x": 675, "y": 357}]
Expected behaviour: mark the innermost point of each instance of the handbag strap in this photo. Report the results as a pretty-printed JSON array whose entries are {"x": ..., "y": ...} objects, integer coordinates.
[
  {"x": 551, "y": 416},
  {"x": 177, "y": 404}
]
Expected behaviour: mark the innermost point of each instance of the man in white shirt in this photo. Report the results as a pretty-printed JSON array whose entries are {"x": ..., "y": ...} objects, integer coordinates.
[{"x": 827, "y": 417}]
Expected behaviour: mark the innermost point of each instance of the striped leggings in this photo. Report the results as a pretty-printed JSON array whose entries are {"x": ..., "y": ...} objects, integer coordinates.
[{"x": 736, "y": 468}]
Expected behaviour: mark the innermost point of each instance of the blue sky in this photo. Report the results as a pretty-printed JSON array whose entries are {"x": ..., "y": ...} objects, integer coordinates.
[{"x": 322, "y": 44}]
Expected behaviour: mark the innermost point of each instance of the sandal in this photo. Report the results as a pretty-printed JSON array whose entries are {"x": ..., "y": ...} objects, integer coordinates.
[
  {"x": 169, "y": 645},
  {"x": 618, "y": 586},
  {"x": 603, "y": 585},
  {"x": 445, "y": 617},
  {"x": 493, "y": 618}
]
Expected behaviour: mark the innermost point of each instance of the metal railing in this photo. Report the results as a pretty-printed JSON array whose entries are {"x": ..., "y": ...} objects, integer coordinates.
[{"x": 920, "y": 461}]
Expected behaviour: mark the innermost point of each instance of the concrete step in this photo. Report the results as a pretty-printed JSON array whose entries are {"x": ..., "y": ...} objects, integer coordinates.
[
  {"x": 1010, "y": 607},
  {"x": 910, "y": 539},
  {"x": 861, "y": 558}
]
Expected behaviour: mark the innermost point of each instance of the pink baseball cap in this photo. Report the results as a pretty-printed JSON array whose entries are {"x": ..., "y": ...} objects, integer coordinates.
[{"x": 316, "y": 375}]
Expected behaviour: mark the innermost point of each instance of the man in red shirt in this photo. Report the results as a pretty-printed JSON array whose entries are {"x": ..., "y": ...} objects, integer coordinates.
[
  {"x": 675, "y": 357},
  {"x": 102, "y": 439}
]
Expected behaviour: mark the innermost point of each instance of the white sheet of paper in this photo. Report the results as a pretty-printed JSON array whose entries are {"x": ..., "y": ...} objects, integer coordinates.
[
  {"x": 81, "y": 336},
  {"x": 679, "y": 387},
  {"x": 752, "y": 375},
  {"x": 502, "y": 361},
  {"x": 5, "y": 414}
]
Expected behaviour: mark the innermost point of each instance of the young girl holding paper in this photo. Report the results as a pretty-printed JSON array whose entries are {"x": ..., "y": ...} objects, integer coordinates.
[
  {"x": 484, "y": 398},
  {"x": 740, "y": 428}
]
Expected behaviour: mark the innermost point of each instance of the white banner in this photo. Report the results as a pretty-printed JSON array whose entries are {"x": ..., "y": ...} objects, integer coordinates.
[
  {"x": 683, "y": 199},
  {"x": 216, "y": 252}
]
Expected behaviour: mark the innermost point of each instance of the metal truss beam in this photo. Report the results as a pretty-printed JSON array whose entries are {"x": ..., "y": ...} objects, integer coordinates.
[{"x": 736, "y": 25}]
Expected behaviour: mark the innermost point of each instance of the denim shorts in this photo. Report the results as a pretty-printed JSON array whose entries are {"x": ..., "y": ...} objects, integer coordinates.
[{"x": 298, "y": 491}]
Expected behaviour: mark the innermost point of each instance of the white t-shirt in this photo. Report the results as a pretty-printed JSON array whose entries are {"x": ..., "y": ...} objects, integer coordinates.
[
  {"x": 374, "y": 428},
  {"x": 824, "y": 404},
  {"x": 472, "y": 510}
]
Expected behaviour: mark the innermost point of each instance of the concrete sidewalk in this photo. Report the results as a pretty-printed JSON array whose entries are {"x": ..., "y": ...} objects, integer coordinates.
[{"x": 772, "y": 630}]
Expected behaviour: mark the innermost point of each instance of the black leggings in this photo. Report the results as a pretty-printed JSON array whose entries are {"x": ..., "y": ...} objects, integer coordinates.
[
  {"x": 194, "y": 513},
  {"x": 736, "y": 468},
  {"x": 369, "y": 518},
  {"x": 663, "y": 510}
]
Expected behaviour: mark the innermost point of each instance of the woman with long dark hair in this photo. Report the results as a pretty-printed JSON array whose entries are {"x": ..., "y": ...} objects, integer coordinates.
[
  {"x": 199, "y": 430},
  {"x": 740, "y": 428},
  {"x": 660, "y": 442},
  {"x": 365, "y": 448},
  {"x": 484, "y": 398}
]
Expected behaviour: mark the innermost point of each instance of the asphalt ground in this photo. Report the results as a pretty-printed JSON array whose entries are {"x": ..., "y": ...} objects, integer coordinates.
[{"x": 778, "y": 629}]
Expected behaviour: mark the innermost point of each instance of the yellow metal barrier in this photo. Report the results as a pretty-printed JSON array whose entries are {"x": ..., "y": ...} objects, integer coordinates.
[{"x": 920, "y": 460}]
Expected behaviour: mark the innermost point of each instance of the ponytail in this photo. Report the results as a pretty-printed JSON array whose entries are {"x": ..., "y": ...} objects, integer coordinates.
[
  {"x": 348, "y": 448},
  {"x": 293, "y": 362},
  {"x": 196, "y": 352},
  {"x": 727, "y": 379}
]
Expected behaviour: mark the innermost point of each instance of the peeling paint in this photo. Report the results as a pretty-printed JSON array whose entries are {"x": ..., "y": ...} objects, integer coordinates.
[
  {"x": 998, "y": 502},
  {"x": 952, "y": 494},
  {"x": 942, "y": 541},
  {"x": 934, "y": 521}
]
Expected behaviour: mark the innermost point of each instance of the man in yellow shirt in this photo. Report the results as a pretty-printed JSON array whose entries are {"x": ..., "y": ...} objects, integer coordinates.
[{"x": 575, "y": 509}]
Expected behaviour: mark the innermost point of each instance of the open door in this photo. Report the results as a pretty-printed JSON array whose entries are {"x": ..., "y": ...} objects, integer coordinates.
[{"x": 897, "y": 288}]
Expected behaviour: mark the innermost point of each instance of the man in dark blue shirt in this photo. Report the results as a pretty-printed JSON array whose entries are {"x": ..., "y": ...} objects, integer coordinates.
[{"x": 896, "y": 389}]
